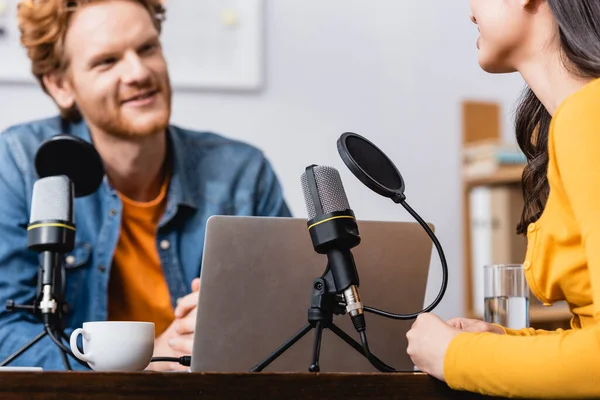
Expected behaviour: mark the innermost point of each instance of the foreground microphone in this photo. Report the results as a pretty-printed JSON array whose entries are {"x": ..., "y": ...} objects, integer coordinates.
[
  {"x": 51, "y": 230},
  {"x": 334, "y": 231}
]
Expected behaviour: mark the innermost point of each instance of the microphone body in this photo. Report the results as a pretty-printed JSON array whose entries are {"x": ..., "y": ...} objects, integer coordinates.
[
  {"x": 51, "y": 231},
  {"x": 333, "y": 231}
]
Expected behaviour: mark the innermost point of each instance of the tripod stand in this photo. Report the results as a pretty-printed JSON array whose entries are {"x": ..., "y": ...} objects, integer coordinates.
[
  {"x": 324, "y": 305},
  {"x": 49, "y": 306}
]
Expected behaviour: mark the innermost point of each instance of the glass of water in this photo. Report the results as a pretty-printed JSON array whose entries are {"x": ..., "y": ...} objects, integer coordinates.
[{"x": 506, "y": 295}]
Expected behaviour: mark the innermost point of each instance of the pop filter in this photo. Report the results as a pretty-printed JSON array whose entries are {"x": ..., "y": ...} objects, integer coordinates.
[
  {"x": 74, "y": 157},
  {"x": 374, "y": 169},
  {"x": 371, "y": 166}
]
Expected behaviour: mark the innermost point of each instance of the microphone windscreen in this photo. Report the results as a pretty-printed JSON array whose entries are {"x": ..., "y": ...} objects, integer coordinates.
[
  {"x": 72, "y": 156},
  {"x": 52, "y": 200},
  {"x": 329, "y": 189}
]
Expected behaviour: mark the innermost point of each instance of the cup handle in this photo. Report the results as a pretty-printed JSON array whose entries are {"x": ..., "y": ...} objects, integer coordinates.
[{"x": 74, "y": 349}]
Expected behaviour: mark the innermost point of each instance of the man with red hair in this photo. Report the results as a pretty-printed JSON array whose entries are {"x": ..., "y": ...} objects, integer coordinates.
[{"x": 140, "y": 237}]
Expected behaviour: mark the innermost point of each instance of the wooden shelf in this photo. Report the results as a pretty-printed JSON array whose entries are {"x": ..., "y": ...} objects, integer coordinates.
[
  {"x": 544, "y": 314},
  {"x": 541, "y": 314},
  {"x": 481, "y": 132},
  {"x": 504, "y": 175}
]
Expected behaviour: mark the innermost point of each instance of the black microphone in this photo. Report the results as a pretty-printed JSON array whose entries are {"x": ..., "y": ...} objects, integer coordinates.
[
  {"x": 334, "y": 231},
  {"x": 67, "y": 167},
  {"x": 51, "y": 231}
]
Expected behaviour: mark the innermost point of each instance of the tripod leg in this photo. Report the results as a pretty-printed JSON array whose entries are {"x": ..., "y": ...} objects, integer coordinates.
[
  {"x": 65, "y": 360},
  {"x": 63, "y": 354},
  {"x": 289, "y": 343},
  {"x": 23, "y": 348},
  {"x": 356, "y": 346},
  {"x": 314, "y": 367}
]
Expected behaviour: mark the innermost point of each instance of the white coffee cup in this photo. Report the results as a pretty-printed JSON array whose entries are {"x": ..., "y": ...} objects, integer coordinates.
[{"x": 122, "y": 346}]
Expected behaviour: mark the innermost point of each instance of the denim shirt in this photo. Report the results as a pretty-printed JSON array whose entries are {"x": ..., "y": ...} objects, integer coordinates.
[{"x": 211, "y": 175}]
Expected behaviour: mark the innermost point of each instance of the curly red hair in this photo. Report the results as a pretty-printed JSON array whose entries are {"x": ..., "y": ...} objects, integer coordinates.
[{"x": 43, "y": 25}]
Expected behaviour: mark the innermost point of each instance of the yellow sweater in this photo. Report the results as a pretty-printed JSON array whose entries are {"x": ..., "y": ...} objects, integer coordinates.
[{"x": 562, "y": 263}]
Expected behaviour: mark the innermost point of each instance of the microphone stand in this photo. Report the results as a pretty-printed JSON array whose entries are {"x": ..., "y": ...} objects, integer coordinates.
[
  {"x": 325, "y": 303},
  {"x": 49, "y": 306}
]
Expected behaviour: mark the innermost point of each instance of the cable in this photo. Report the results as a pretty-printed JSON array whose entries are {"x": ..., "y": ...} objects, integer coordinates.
[
  {"x": 380, "y": 365},
  {"x": 57, "y": 341},
  {"x": 65, "y": 360},
  {"x": 359, "y": 323},
  {"x": 183, "y": 360},
  {"x": 437, "y": 300}
]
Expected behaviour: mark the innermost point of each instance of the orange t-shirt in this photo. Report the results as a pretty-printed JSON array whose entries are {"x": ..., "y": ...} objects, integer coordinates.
[{"x": 137, "y": 289}]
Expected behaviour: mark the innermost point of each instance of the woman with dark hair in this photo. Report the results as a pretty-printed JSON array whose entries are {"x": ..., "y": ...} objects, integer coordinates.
[{"x": 555, "y": 46}]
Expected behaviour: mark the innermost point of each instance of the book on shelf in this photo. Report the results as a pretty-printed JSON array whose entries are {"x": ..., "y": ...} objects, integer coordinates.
[
  {"x": 492, "y": 148},
  {"x": 488, "y": 157},
  {"x": 493, "y": 215},
  {"x": 494, "y": 212}
]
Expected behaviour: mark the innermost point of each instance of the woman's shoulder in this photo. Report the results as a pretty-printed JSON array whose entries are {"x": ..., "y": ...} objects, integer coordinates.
[
  {"x": 575, "y": 129},
  {"x": 581, "y": 107}
]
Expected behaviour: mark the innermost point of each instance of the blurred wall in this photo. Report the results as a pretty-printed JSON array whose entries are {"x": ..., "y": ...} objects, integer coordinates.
[{"x": 393, "y": 71}]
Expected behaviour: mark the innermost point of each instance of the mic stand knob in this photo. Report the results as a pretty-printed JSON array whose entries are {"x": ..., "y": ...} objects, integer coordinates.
[{"x": 11, "y": 306}]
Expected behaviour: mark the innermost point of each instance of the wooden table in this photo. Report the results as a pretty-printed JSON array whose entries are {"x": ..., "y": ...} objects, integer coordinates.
[{"x": 185, "y": 385}]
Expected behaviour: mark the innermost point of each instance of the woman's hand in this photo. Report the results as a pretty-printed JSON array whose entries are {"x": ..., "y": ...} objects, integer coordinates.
[
  {"x": 428, "y": 340},
  {"x": 474, "y": 325}
]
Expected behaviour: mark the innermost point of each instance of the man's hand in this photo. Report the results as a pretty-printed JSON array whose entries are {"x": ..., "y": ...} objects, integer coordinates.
[
  {"x": 162, "y": 349},
  {"x": 185, "y": 321},
  {"x": 178, "y": 339}
]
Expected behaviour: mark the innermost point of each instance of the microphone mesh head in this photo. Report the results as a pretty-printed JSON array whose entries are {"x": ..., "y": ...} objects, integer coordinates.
[
  {"x": 52, "y": 200},
  {"x": 329, "y": 189}
]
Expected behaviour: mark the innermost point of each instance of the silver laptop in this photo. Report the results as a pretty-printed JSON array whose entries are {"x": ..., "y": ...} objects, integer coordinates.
[{"x": 256, "y": 287}]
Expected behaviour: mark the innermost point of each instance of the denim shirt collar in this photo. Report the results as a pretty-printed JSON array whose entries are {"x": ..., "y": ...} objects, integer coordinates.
[{"x": 180, "y": 194}]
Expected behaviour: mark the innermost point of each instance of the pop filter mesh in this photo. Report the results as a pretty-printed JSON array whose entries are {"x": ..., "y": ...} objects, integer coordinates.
[{"x": 373, "y": 162}]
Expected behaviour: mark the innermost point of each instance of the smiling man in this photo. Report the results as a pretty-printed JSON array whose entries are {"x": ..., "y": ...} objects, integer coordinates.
[{"x": 140, "y": 237}]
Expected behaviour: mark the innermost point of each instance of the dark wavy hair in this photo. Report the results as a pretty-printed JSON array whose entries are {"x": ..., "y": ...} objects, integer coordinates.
[{"x": 579, "y": 32}]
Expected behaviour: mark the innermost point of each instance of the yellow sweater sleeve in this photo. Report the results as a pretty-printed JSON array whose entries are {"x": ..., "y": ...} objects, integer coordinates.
[
  {"x": 527, "y": 331},
  {"x": 561, "y": 364}
]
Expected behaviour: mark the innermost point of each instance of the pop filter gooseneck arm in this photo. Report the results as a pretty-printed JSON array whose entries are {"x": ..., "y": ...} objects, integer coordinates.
[
  {"x": 374, "y": 169},
  {"x": 442, "y": 291}
]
